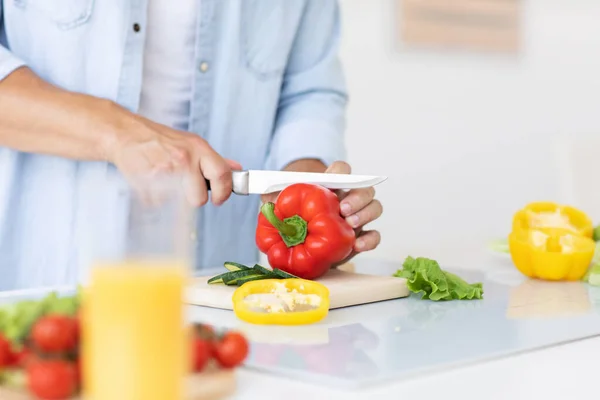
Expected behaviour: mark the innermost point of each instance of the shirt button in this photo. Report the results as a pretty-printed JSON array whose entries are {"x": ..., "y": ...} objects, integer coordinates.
[
  {"x": 136, "y": 27},
  {"x": 204, "y": 66}
]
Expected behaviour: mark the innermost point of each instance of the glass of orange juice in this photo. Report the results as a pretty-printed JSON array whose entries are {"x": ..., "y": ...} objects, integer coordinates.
[{"x": 133, "y": 325}]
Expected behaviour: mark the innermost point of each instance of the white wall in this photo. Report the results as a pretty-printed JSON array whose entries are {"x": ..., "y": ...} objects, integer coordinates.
[{"x": 467, "y": 139}]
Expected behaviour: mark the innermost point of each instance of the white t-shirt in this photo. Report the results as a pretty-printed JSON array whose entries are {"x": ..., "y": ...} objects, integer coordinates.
[{"x": 169, "y": 62}]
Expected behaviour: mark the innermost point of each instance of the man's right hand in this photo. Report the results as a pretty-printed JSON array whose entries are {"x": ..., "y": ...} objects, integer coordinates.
[
  {"x": 82, "y": 127},
  {"x": 142, "y": 149}
]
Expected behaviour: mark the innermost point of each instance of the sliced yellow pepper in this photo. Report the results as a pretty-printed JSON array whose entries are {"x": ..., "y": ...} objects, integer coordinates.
[
  {"x": 281, "y": 302},
  {"x": 551, "y": 253},
  {"x": 552, "y": 215}
]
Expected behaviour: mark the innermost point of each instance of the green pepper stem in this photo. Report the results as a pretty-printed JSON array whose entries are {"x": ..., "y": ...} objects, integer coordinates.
[{"x": 293, "y": 230}]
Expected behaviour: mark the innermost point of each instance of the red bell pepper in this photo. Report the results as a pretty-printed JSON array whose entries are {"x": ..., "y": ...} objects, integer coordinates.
[{"x": 303, "y": 233}]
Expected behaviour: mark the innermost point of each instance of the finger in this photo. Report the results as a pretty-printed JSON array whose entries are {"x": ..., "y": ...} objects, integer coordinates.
[
  {"x": 356, "y": 200},
  {"x": 234, "y": 165},
  {"x": 194, "y": 186},
  {"x": 187, "y": 164},
  {"x": 368, "y": 240},
  {"x": 339, "y": 167},
  {"x": 158, "y": 183},
  {"x": 368, "y": 214},
  {"x": 214, "y": 168},
  {"x": 270, "y": 197}
]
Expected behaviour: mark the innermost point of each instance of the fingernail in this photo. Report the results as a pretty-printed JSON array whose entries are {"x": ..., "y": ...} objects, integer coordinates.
[
  {"x": 360, "y": 244},
  {"x": 353, "y": 221},
  {"x": 345, "y": 208}
]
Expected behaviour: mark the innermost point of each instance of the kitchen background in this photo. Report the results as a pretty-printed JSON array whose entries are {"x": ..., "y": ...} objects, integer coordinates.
[{"x": 467, "y": 138}]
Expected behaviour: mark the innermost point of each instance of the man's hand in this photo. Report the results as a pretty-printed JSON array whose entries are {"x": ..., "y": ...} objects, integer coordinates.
[
  {"x": 149, "y": 149},
  {"x": 81, "y": 127},
  {"x": 358, "y": 206}
]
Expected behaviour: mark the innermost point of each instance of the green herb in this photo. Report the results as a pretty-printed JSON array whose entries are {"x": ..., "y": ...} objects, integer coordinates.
[
  {"x": 16, "y": 319},
  {"x": 499, "y": 246},
  {"x": 425, "y": 276},
  {"x": 238, "y": 274},
  {"x": 592, "y": 276}
]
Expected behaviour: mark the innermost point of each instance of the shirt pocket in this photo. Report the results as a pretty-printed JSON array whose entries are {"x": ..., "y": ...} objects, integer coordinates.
[
  {"x": 267, "y": 33},
  {"x": 65, "y": 14}
]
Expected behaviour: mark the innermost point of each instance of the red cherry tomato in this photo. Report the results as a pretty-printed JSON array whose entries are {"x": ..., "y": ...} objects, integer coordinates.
[
  {"x": 51, "y": 379},
  {"x": 231, "y": 350},
  {"x": 6, "y": 353},
  {"x": 55, "y": 334},
  {"x": 201, "y": 351}
]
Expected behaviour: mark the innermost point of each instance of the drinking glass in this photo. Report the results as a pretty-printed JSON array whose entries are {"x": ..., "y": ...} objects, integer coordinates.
[{"x": 134, "y": 331}]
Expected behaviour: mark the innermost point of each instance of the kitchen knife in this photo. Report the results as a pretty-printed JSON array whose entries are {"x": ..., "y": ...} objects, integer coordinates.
[{"x": 264, "y": 182}]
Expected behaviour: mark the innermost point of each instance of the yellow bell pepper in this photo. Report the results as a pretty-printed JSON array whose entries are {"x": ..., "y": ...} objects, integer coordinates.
[
  {"x": 281, "y": 302},
  {"x": 552, "y": 215},
  {"x": 551, "y": 253}
]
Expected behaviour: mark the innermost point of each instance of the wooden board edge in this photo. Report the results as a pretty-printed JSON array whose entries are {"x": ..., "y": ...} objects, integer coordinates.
[{"x": 212, "y": 385}]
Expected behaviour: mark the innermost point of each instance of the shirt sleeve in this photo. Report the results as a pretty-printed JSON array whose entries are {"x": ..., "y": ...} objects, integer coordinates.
[
  {"x": 310, "y": 119},
  {"x": 8, "y": 61}
]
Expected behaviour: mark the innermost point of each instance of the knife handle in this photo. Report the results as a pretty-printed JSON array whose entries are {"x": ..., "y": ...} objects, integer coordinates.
[{"x": 240, "y": 181}]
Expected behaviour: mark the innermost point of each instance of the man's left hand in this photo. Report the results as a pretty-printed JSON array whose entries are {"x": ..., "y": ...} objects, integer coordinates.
[{"x": 359, "y": 207}]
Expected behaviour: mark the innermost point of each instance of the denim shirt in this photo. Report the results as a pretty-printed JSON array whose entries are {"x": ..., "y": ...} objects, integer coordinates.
[{"x": 268, "y": 89}]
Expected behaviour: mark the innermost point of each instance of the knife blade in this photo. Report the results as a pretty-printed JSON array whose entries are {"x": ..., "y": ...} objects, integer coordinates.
[{"x": 264, "y": 182}]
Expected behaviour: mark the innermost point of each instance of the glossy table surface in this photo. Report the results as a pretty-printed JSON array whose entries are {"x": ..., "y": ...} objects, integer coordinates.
[
  {"x": 365, "y": 349},
  {"x": 524, "y": 340}
]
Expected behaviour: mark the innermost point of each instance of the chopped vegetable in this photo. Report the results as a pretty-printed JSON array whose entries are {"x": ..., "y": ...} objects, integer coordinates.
[
  {"x": 231, "y": 350},
  {"x": 17, "y": 319},
  {"x": 201, "y": 353},
  {"x": 551, "y": 253},
  {"x": 55, "y": 334},
  {"x": 281, "y": 302},
  {"x": 499, "y": 246},
  {"x": 303, "y": 233},
  {"x": 551, "y": 215},
  {"x": 52, "y": 379},
  {"x": 425, "y": 276},
  {"x": 239, "y": 274}
]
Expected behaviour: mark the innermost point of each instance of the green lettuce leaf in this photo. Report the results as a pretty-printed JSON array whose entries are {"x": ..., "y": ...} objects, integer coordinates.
[{"x": 425, "y": 276}]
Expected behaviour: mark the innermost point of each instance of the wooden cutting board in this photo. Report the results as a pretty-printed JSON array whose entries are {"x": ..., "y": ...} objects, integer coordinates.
[
  {"x": 346, "y": 288},
  {"x": 210, "y": 385}
]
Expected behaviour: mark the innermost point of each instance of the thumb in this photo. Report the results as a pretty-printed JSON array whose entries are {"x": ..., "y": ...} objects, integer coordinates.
[{"x": 339, "y": 167}]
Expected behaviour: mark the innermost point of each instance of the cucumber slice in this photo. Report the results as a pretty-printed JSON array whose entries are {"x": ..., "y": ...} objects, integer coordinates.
[
  {"x": 264, "y": 271},
  {"x": 231, "y": 278},
  {"x": 257, "y": 277},
  {"x": 232, "y": 266},
  {"x": 283, "y": 274},
  {"x": 217, "y": 278}
]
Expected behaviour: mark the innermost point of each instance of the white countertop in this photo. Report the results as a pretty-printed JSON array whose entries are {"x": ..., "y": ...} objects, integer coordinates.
[
  {"x": 558, "y": 371},
  {"x": 566, "y": 371}
]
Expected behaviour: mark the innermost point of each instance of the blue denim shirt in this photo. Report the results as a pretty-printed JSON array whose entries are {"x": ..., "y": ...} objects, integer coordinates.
[{"x": 273, "y": 92}]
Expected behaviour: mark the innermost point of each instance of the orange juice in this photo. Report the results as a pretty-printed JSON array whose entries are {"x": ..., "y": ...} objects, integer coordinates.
[{"x": 134, "y": 338}]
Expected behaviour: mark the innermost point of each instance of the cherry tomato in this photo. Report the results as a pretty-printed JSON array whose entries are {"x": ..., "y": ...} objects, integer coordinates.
[
  {"x": 55, "y": 333},
  {"x": 51, "y": 379},
  {"x": 201, "y": 352},
  {"x": 231, "y": 350},
  {"x": 23, "y": 356},
  {"x": 6, "y": 353}
]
